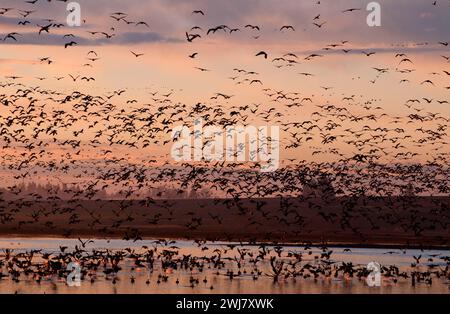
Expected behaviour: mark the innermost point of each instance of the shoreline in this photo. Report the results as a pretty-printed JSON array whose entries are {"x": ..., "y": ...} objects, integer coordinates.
[
  {"x": 269, "y": 221},
  {"x": 245, "y": 243}
]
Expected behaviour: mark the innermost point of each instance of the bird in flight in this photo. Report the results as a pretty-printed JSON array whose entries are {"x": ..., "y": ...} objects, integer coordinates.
[
  {"x": 368, "y": 54},
  {"x": 87, "y": 79},
  {"x": 137, "y": 55},
  {"x": 319, "y": 25},
  {"x": 253, "y": 27},
  {"x": 45, "y": 28},
  {"x": 351, "y": 10},
  {"x": 70, "y": 44},
  {"x": 287, "y": 27},
  {"x": 427, "y": 82},
  {"x": 142, "y": 23},
  {"x": 191, "y": 37},
  {"x": 74, "y": 78},
  {"x": 262, "y": 53},
  {"x": 11, "y": 36}
]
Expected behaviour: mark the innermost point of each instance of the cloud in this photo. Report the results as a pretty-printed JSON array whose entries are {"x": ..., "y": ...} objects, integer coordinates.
[
  {"x": 129, "y": 38},
  {"x": 402, "y": 20},
  {"x": 140, "y": 38},
  {"x": 14, "y": 21}
]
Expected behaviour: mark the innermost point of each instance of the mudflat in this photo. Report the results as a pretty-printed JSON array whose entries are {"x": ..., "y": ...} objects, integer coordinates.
[{"x": 418, "y": 221}]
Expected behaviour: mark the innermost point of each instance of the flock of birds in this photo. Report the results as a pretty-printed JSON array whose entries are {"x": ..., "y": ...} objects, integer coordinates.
[
  {"x": 166, "y": 263},
  {"x": 93, "y": 145}
]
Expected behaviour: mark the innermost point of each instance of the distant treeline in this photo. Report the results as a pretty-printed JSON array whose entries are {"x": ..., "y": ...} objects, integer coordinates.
[{"x": 39, "y": 191}]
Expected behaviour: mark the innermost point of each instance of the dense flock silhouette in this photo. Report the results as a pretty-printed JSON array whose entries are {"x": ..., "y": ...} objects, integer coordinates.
[{"x": 345, "y": 161}]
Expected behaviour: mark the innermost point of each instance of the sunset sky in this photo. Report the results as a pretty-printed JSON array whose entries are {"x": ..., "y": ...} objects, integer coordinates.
[
  {"x": 412, "y": 27},
  {"x": 165, "y": 63}
]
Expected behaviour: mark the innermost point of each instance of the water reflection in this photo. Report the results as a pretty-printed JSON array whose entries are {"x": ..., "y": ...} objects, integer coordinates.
[{"x": 187, "y": 267}]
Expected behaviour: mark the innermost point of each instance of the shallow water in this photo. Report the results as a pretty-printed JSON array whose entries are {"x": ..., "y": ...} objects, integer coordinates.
[{"x": 218, "y": 280}]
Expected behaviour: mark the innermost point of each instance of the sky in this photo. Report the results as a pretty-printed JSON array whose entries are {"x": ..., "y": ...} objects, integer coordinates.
[
  {"x": 413, "y": 27},
  {"x": 404, "y": 24}
]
